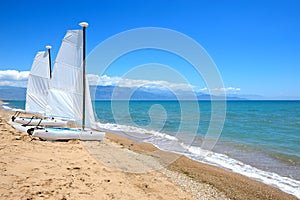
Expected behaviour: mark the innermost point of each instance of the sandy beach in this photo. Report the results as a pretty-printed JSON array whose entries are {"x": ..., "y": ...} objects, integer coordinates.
[{"x": 115, "y": 168}]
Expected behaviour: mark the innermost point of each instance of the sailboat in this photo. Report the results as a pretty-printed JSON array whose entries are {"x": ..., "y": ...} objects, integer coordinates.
[
  {"x": 37, "y": 94},
  {"x": 69, "y": 97}
]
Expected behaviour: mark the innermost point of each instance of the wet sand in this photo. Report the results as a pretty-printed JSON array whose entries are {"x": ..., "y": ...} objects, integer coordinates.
[{"x": 115, "y": 168}]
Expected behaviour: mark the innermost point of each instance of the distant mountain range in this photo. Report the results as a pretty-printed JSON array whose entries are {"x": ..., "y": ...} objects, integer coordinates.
[
  {"x": 142, "y": 93},
  {"x": 118, "y": 93},
  {"x": 12, "y": 93}
]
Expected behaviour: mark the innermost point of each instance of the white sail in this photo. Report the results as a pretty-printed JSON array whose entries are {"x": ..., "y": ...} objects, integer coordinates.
[
  {"x": 65, "y": 97},
  {"x": 89, "y": 112},
  {"x": 38, "y": 84}
]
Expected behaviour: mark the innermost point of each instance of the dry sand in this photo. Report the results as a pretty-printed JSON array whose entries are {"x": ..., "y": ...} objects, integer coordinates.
[{"x": 116, "y": 168}]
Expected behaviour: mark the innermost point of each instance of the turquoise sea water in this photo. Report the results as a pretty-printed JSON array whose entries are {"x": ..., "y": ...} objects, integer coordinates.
[
  {"x": 270, "y": 126},
  {"x": 262, "y": 134},
  {"x": 15, "y": 104}
]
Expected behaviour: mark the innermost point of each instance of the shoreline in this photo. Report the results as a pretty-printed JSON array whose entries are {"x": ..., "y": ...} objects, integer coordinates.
[
  {"x": 268, "y": 165},
  {"x": 35, "y": 169},
  {"x": 230, "y": 184},
  {"x": 233, "y": 185}
]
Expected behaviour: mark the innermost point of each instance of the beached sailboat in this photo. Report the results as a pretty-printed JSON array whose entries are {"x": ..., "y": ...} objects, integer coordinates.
[
  {"x": 37, "y": 94},
  {"x": 69, "y": 96}
]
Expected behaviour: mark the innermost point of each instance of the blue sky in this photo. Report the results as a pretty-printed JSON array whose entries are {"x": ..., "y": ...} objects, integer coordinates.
[{"x": 255, "y": 44}]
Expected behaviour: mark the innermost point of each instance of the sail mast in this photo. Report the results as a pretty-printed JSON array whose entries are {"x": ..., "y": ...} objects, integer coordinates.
[
  {"x": 49, "y": 47},
  {"x": 83, "y": 25}
]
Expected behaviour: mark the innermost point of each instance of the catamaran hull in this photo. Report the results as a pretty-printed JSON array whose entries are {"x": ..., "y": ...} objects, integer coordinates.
[
  {"x": 44, "y": 122},
  {"x": 19, "y": 127},
  {"x": 68, "y": 134}
]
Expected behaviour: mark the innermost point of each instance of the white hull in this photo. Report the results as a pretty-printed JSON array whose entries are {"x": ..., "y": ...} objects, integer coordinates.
[
  {"x": 44, "y": 122},
  {"x": 68, "y": 134},
  {"x": 19, "y": 127}
]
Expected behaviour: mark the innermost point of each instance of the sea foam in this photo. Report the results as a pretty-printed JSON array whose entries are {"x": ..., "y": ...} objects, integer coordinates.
[{"x": 171, "y": 143}]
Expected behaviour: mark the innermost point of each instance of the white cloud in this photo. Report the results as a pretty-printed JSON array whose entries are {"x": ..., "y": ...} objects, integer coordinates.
[
  {"x": 156, "y": 84},
  {"x": 203, "y": 89},
  {"x": 14, "y": 83},
  {"x": 19, "y": 79},
  {"x": 103, "y": 80},
  {"x": 231, "y": 89},
  {"x": 13, "y": 75},
  {"x": 13, "y": 78},
  {"x": 227, "y": 90},
  {"x": 132, "y": 83}
]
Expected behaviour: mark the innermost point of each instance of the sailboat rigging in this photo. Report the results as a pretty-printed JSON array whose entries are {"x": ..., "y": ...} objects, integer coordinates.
[
  {"x": 37, "y": 93},
  {"x": 69, "y": 96}
]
